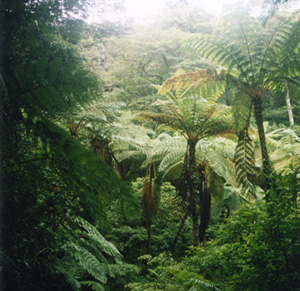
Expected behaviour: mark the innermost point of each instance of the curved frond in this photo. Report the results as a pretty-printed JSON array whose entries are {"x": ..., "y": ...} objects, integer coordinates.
[
  {"x": 174, "y": 171},
  {"x": 186, "y": 81},
  {"x": 171, "y": 158},
  {"x": 245, "y": 164},
  {"x": 161, "y": 118},
  {"x": 204, "y": 285}
]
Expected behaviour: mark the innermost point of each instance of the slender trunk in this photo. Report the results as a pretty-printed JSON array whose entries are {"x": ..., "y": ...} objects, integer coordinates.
[
  {"x": 193, "y": 183},
  {"x": 289, "y": 106},
  {"x": 121, "y": 169},
  {"x": 205, "y": 203},
  {"x": 148, "y": 203},
  {"x": 262, "y": 138},
  {"x": 179, "y": 230},
  {"x": 149, "y": 237}
]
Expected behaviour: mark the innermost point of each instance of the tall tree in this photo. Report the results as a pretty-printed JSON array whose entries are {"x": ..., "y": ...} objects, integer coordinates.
[
  {"x": 194, "y": 117},
  {"x": 249, "y": 54}
]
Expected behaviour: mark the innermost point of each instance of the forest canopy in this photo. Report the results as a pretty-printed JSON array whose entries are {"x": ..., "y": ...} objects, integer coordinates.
[{"x": 155, "y": 155}]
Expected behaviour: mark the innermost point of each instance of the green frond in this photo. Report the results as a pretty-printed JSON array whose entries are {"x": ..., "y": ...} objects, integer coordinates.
[
  {"x": 66, "y": 87},
  {"x": 91, "y": 179},
  {"x": 75, "y": 284},
  {"x": 249, "y": 52},
  {"x": 240, "y": 110},
  {"x": 174, "y": 171},
  {"x": 200, "y": 84},
  {"x": 222, "y": 166},
  {"x": 161, "y": 118},
  {"x": 186, "y": 81},
  {"x": 219, "y": 122},
  {"x": 89, "y": 262},
  {"x": 285, "y": 145},
  {"x": 204, "y": 285},
  {"x": 245, "y": 165},
  {"x": 171, "y": 158},
  {"x": 92, "y": 233},
  {"x": 152, "y": 158},
  {"x": 232, "y": 197},
  {"x": 92, "y": 284},
  {"x": 126, "y": 154},
  {"x": 121, "y": 144}
]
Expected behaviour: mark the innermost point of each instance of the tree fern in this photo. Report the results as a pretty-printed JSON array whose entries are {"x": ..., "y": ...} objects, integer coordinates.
[
  {"x": 248, "y": 55},
  {"x": 187, "y": 111}
]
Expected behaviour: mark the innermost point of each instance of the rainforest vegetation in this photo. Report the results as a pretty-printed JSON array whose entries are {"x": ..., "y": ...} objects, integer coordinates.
[{"x": 161, "y": 155}]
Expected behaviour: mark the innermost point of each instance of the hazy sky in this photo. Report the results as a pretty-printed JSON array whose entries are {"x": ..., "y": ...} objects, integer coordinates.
[
  {"x": 145, "y": 8},
  {"x": 142, "y": 9}
]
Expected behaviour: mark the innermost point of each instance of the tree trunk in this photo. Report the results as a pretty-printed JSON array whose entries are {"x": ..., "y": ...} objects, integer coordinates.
[
  {"x": 193, "y": 183},
  {"x": 205, "y": 203},
  {"x": 179, "y": 230},
  {"x": 289, "y": 106},
  {"x": 148, "y": 203},
  {"x": 262, "y": 138},
  {"x": 149, "y": 237}
]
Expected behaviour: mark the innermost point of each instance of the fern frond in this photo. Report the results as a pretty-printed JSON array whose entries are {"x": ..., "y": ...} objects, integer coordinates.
[
  {"x": 219, "y": 122},
  {"x": 75, "y": 284},
  {"x": 126, "y": 154},
  {"x": 187, "y": 81},
  {"x": 94, "y": 285},
  {"x": 161, "y": 118},
  {"x": 171, "y": 158},
  {"x": 174, "y": 171},
  {"x": 240, "y": 110},
  {"x": 91, "y": 179},
  {"x": 89, "y": 262},
  {"x": 94, "y": 234},
  {"x": 203, "y": 285},
  {"x": 245, "y": 164}
]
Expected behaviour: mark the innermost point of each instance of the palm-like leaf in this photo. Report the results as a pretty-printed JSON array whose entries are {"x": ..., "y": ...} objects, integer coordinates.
[{"x": 244, "y": 163}]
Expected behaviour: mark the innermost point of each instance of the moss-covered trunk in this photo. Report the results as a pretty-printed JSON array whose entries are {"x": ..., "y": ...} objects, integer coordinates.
[
  {"x": 193, "y": 187},
  {"x": 262, "y": 138}
]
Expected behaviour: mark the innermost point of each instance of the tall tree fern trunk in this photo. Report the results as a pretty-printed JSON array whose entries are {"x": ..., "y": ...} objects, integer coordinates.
[
  {"x": 149, "y": 237},
  {"x": 193, "y": 186},
  {"x": 262, "y": 138},
  {"x": 179, "y": 230},
  {"x": 148, "y": 204},
  {"x": 205, "y": 203},
  {"x": 289, "y": 106}
]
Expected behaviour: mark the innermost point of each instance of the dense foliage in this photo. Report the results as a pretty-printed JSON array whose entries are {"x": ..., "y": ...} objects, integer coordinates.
[
  {"x": 256, "y": 249},
  {"x": 149, "y": 158}
]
